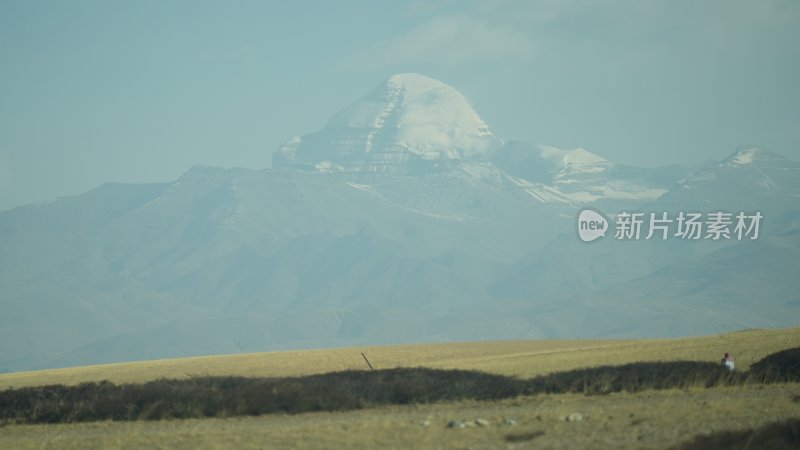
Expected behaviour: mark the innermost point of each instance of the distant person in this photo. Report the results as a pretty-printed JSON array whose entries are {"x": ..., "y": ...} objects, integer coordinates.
[{"x": 727, "y": 361}]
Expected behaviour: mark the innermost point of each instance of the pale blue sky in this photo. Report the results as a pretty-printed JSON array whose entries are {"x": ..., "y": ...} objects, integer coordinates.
[{"x": 139, "y": 91}]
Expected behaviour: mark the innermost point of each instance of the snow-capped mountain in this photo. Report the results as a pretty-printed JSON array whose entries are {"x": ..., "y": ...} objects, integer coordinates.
[
  {"x": 275, "y": 258},
  {"x": 753, "y": 156},
  {"x": 412, "y": 124},
  {"x": 587, "y": 178},
  {"x": 407, "y": 118},
  {"x": 750, "y": 179},
  {"x": 763, "y": 172},
  {"x": 405, "y": 219}
]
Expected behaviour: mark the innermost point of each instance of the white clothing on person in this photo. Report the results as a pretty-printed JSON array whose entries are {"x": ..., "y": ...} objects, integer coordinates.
[
  {"x": 727, "y": 361},
  {"x": 729, "y": 364}
]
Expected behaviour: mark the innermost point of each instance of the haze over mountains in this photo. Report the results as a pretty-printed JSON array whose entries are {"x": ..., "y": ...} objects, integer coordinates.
[{"x": 404, "y": 219}]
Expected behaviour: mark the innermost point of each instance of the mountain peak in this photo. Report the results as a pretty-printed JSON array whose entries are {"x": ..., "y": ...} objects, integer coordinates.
[
  {"x": 746, "y": 155},
  {"x": 564, "y": 158},
  {"x": 411, "y": 78},
  {"x": 408, "y": 117}
]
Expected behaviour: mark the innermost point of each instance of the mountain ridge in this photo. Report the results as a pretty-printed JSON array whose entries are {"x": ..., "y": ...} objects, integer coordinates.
[
  {"x": 407, "y": 117},
  {"x": 335, "y": 247}
]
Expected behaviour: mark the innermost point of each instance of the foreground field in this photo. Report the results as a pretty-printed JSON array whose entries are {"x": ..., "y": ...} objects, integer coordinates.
[
  {"x": 648, "y": 419},
  {"x": 655, "y": 419},
  {"x": 514, "y": 358}
]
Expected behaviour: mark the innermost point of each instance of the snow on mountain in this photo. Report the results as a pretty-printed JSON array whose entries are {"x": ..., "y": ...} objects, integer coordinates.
[
  {"x": 413, "y": 124},
  {"x": 750, "y": 179},
  {"x": 675, "y": 286},
  {"x": 130, "y": 271},
  {"x": 583, "y": 177},
  {"x": 754, "y": 156},
  {"x": 587, "y": 178},
  {"x": 404, "y": 219},
  {"x": 574, "y": 158},
  {"x": 407, "y": 117}
]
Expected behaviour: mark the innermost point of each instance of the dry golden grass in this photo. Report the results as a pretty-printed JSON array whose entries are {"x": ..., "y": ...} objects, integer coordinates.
[
  {"x": 516, "y": 358},
  {"x": 653, "y": 419},
  {"x": 647, "y": 420}
]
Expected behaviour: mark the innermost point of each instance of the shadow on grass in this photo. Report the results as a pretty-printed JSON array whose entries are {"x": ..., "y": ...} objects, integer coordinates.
[
  {"x": 348, "y": 390},
  {"x": 523, "y": 437},
  {"x": 780, "y": 366},
  {"x": 774, "y": 436}
]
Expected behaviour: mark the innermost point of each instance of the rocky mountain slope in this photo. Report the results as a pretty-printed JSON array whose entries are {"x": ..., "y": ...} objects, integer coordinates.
[{"x": 404, "y": 219}]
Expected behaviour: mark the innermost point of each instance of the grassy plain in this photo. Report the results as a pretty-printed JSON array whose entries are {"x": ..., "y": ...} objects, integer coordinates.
[
  {"x": 651, "y": 419},
  {"x": 514, "y": 358},
  {"x": 647, "y": 420}
]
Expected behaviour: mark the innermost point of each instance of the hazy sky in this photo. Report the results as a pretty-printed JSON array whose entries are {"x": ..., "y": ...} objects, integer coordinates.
[{"x": 139, "y": 91}]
